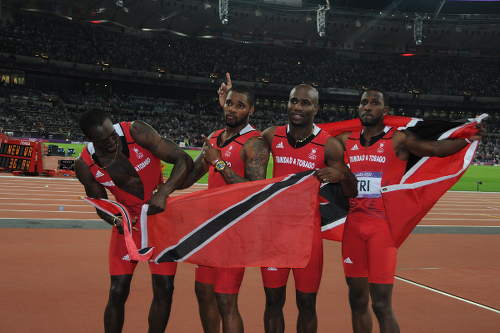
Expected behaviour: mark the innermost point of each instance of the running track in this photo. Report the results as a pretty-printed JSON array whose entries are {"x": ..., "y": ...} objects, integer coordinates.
[{"x": 55, "y": 274}]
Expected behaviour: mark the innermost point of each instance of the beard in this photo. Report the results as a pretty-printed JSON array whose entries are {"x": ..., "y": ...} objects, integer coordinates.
[
  {"x": 371, "y": 121},
  {"x": 236, "y": 122}
]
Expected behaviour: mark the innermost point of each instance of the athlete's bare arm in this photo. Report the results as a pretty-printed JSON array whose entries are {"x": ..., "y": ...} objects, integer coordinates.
[
  {"x": 336, "y": 170},
  {"x": 199, "y": 169},
  {"x": 93, "y": 189},
  {"x": 147, "y": 137},
  {"x": 407, "y": 142},
  {"x": 255, "y": 155}
]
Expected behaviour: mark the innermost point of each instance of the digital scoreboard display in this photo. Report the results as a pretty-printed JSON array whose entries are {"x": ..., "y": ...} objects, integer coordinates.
[
  {"x": 15, "y": 156},
  {"x": 16, "y": 150}
]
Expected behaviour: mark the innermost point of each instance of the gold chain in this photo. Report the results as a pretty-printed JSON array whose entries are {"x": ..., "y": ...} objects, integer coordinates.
[{"x": 114, "y": 158}]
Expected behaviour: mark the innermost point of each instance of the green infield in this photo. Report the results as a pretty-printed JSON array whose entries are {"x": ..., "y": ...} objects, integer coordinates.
[{"x": 484, "y": 178}]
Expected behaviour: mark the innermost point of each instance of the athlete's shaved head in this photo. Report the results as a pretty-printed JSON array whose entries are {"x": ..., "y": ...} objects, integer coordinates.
[
  {"x": 311, "y": 91},
  {"x": 92, "y": 119}
]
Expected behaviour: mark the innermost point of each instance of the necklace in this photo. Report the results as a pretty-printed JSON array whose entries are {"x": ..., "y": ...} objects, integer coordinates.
[
  {"x": 114, "y": 158},
  {"x": 303, "y": 139}
]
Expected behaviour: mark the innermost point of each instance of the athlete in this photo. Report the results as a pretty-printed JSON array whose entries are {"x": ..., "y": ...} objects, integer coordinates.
[
  {"x": 124, "y": 158},
  {"x": 377, "y": 156},
  {"x": 296, "y": 147},
  {"x": 230, "y": 155}
]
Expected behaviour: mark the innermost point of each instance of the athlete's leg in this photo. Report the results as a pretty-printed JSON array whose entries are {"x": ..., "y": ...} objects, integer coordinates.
[
  {"x": 228, "y": 309},
  {"x": 207, "y": 304},
  {"x": 274, "y": 321},
  {"x": 307, "y": 321},
  {"x": 227, "y": 285},
  {"x": 163, "y": 289},
  {"x": 359, "y": 297},
  {"x": 114, "y": 314},
  {"x": 382, "y": 255},
  {"x": 307, "y": 281},
  {"x": 382, "y": 306},
  {"x": 355, "y": 262}
]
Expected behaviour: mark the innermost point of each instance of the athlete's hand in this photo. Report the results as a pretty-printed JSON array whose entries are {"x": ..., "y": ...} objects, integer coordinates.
[
  {"x": 157, "y": 203},
  {"x": 210, "y": 153},
  {"x": 224, "y": 89},
  {"x": 329, "y": 175},
  {"x": 481, "y": 132},
  {"x": 117, "y": 222}
]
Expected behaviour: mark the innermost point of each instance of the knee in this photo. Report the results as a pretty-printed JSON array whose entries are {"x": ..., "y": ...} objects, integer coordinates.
[
  {"x": 204, "y": 292},
  {"x": 163, "y": 287},
  {"x": 118, "y": 292},
  {"x": 358, "y": 300},
  {"x": 306, "y": 302},
  {"x": 381, "y": 307},
  {"x": 275, "y": 297},
  {"x": 227, "y": 304}
]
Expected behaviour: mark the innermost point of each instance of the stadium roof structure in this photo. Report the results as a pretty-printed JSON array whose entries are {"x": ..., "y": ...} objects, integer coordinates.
[{"x": 363, "y": 25}]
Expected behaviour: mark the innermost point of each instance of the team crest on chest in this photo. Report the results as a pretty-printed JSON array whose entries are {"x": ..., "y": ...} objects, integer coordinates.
[
  {"x": 312, "y": 154},
  {"x": 228, "y": 152},
  {"x": 138, "y": 154},
  {"x": 380, "y": 148}
]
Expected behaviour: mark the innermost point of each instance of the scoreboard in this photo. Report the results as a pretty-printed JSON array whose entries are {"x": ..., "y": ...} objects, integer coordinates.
[{"x": 20, "y": 155}]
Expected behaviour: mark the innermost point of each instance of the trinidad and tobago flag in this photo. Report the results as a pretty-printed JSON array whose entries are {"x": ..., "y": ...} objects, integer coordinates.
[{"x": 267, "y": 223}]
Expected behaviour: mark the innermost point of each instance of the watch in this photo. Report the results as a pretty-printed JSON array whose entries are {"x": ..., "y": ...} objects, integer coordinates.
[{"x": 220, "y": 165}]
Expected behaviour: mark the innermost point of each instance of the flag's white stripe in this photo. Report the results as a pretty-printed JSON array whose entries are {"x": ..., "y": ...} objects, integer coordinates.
[
  {"x": 333, "y": 224},
  {"x": 144, "y": 225}
]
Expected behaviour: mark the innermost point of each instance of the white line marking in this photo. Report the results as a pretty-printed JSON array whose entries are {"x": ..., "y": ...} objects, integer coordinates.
[
  {"x": 41, "y": 199},
  {"x": 460, "y": 226},
  {"x": 47, "y": 219},
  {"x": 46, "y": 211},
  {"x": 458, "y": 219},
  {"x": 449, "y": 295},
  {"x": 39, "y": 204}
]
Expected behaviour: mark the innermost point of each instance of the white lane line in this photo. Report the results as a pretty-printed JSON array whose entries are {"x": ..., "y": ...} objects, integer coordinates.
[
  {"x": 40, "y": 204},
  {"x": 46, "y": 211},
  {"x": 46, "y": 219},
  {"x": 459, "y": 219},
  {"x": 459, "y": 213},
  {"x": 41, "y": 190},
  {"x": 458, "y": 226},
  {"x": 486, "y": 307},
  {"x": 41, "y": 199}
]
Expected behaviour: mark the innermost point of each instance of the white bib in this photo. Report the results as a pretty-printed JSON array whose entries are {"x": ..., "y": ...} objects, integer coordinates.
[{"x": 369, "y": 184}]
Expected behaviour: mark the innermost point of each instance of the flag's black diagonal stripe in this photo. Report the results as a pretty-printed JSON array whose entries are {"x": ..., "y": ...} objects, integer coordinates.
[{"x": 214, "y": 225}]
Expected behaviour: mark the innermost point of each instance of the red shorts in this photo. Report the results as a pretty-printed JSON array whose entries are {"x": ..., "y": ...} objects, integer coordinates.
[
  {"x": 118, "y": 250},
  {"x": 224, "y": 280},
  {"x": 307, "y": 279},
  {"x": 368, "y": 249}
]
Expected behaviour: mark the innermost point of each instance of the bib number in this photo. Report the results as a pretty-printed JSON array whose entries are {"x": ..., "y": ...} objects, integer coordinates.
[{"x": 369, "y": 184}]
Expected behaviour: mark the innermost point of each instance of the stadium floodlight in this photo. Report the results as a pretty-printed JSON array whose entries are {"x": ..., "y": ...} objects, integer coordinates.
[
  {"x": 418, "y": 30},
  {"x": 321, "y": 18},
  {"x": 224, "y": 11}
]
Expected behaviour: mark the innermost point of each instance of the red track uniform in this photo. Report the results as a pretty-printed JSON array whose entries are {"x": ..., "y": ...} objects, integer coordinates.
[
  {"x": 368, "y": 249},
  {"x": 287, "y": 159},
  {"x": 148, "y": 167},
  {"x": 226, "y": 280}
]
